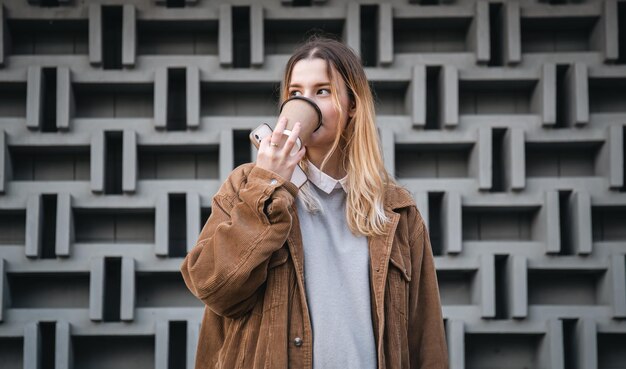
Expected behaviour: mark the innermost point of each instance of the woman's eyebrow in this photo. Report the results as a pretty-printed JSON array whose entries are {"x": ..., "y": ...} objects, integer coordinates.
[{"x": 315, "y": 85}]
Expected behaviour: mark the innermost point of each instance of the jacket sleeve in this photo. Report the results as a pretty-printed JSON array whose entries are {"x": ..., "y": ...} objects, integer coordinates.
[
  {"x": 249, "y": 221},
  {"x": 427, "y": 341}
]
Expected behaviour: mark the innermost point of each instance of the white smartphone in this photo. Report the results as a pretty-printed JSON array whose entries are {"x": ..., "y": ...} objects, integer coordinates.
[{"x": 299, "y": 177}]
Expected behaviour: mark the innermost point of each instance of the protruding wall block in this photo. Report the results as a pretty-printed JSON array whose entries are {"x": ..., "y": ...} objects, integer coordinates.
[
  {"x": 5, "y": 162},
  {"x": 129, "y": 32},
  {"x": 127, "y": 299},
  {"x": 193, "y": 97},
  {"x": 449, "y": 95},
  {"x": 64, "y": 225},
  {"x": 161, "y": 226},
  {"x": 385, "y": 34},
  {"x": 193, "y": 215},
  {"x": 65, "y": 98},
  {"x": 96, "y": 289},
  {"x": 34, "y": 97},
  {"x": 225, "y": 35},
  {"x": 417, "y": 95},
  {"x": 95, "y": 34},
  {"x": 256, "y": 35},
  {"x": 512, "y": 38},
  {"x": 129, "y": 163},
  {"x": 160, "y": 98},
  {"x": 452, "y": 224},
  {"x": 97, "y": 164},
  {"x": 618, "y": 291},
  {"x": 33, "y": 225}
]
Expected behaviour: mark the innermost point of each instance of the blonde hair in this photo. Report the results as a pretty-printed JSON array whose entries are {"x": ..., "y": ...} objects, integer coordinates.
[{"x": 358, "y": 142}]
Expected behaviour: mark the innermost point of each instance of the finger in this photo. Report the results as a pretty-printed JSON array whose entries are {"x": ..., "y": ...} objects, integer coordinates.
[
  {"x": 265, "y": 142},
  {"x": 278, "y": 131},
  {"x": 291, "y": 141},
  {"x": 297, "y": 157}
]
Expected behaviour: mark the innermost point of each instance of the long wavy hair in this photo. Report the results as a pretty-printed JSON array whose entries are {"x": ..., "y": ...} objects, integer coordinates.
[{"x": 359, "y": 142}]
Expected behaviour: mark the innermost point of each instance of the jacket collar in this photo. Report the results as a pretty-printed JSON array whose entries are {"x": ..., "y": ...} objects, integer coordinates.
[{"x": 397, "y": 197}]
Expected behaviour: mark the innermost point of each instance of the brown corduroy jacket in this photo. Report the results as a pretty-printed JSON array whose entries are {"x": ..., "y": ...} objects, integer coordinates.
[{"x": 247, "y": 267}]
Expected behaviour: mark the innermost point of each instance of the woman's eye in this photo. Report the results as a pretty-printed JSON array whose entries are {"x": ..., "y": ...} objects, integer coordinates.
[
  {"x": 324, "y": 91},
  {"x": 295, "y": 93}
]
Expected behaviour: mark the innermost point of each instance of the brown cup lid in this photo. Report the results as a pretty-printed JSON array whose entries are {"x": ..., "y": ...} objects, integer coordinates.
[{"x": 311, "y": 102}]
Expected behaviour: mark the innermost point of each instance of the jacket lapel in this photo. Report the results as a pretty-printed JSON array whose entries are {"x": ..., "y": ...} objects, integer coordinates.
[{"x": 380, "y": 249}]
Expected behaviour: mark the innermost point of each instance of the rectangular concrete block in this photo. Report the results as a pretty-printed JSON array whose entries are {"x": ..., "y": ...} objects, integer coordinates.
[
  {"x": 225, "y": 35},
  {"x": 5, "y": 162},
  {"x": 449, "y": 95},
  {"x": 65, "y": 103},
  {"x": 160, "y": 97},
  {"x": 618, "y": 290},
  {"x": 553, "y": 345},
  {"x": 96, "y": 288},
  {"x": 5, "y": 294},
  {"x": 97, "y": 164},
  {"x": 4, "y": 37},
  {"x": 130, "y": 161},
  {"x": 616, "y": 156},
  {"x": 481, "y": 29},
  {"x": 484, "y": 158},
  {"x": 64, "y": 224},
  {"x": 352, "y": 28},
  {"x": 587, "y": 340},
  {"x": 161, "y": 226},
  {"x": 193, "y": 218},
  {"x": 32, "y": 339},
  {"x": 452, "y": 222},
  {"x": 257, "y": 42},
  {"x": 161, "y": 343},
  {"x": 226, "y": 155},
  {"x": 129, "y": 38},
  {"x": 127, "y": 300},
  {"x": 455, "y": 335},
  {"x": 545, "y": 97},
  {"x": 610, "y": 27},
  {"x": 516, "y": 176},
  {"x": 193, "y": 334},
  {"x": 34, "y": 97},
  {"x": 63, "y": 342},
  {"x": 385, "y": 34},
  {"x": 487, "y": 286},
  {"x": 581, "y": 222},
  {"x": 552, "y": 222},
  {"x": 33, "y": 226},
  {"x": 578, "y": 79},
  {"x": 95, "y": 34},
  {"x": 518, "y": 290},
  {"x": 417, "y": 94},
  {"x": 193, "y": 97},
  {"x": 513, "y": 35}
]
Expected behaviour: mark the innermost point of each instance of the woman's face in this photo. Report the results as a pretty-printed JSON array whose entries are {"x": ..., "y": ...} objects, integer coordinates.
[{"x": 309, "y": 78}]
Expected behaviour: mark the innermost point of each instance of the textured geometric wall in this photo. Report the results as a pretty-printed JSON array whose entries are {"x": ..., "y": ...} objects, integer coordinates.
[{"x": 120, "y": 119}]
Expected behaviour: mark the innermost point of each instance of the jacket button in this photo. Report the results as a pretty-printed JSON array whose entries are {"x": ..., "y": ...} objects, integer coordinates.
[
  {"x": 273, "y": 181},
  {"x": 297, "y": 341}
]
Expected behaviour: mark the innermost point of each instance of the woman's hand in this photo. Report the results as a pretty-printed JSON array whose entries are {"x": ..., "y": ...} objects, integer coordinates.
[{"x": 275, "y": 151}]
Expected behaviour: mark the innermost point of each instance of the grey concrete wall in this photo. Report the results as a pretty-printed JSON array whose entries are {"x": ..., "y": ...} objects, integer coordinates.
[{"x": 120, "y": 119}]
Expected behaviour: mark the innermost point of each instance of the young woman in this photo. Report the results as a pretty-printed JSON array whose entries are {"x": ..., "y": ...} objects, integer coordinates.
[{"x": 337, "y": 274}]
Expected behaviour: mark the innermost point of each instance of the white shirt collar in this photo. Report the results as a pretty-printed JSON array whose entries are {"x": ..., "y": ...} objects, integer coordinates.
[{"x": 325, "y": 182}]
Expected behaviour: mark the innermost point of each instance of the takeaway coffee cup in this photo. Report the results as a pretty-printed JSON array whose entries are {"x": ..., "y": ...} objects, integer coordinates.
[{"x": 303, "y": 110}]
